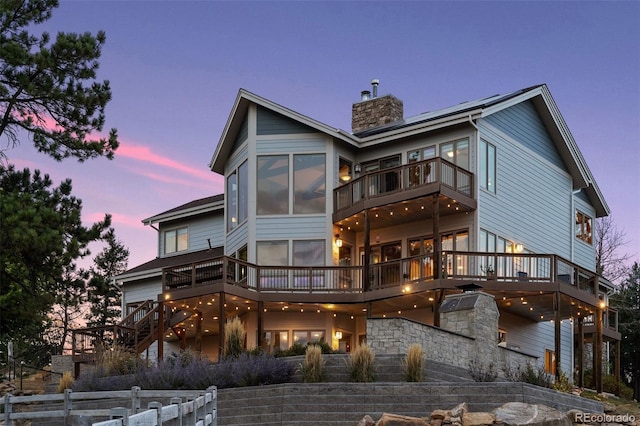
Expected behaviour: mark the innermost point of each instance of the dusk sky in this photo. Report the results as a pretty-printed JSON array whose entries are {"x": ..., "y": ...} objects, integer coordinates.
[{"x": 175, "y": 68}]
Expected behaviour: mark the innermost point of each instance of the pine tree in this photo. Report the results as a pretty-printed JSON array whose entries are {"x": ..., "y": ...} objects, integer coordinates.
[
  {"x": 627, "y": 301},
  {"x": 104, "y": 294},
  {"x": 48, "y": 89}
]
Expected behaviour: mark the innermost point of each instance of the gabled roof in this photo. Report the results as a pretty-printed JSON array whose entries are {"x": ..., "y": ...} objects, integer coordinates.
[
  {"x": 466, "y": 112},
  {"x": 238, "y": 112},
  {"x": 202, "y": 205}
]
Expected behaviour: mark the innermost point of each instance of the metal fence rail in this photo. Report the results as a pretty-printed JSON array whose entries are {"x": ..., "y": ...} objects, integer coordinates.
[{"x": 185, "y": 408}]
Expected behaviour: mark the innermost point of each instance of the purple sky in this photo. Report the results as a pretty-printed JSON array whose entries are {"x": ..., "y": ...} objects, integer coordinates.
[{"x": 175, "y": 68}]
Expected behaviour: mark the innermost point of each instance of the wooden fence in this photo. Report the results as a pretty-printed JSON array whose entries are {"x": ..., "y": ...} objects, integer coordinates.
[{"x": 185, "y": 408}]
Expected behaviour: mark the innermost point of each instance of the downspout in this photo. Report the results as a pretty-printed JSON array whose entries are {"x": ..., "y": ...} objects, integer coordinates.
[{"x": 158, "y": 231}]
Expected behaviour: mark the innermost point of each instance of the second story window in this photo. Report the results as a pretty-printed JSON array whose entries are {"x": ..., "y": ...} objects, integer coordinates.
[
  {"x": 584, "y": 229},
  {"x": 456, "y": 152},
  {"x": 237, "y": 204},
  {"x": 487, "y": 176},
  {"x": 274, "y": 186},
  {"x": 176, "y": 240}
]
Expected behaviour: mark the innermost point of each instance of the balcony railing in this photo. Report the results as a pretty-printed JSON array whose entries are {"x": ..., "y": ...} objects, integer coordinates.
[
  {"x": 609, "y": 319},
  {"x": 404, "y": 178},
  {"x": 501, "y": 267}
]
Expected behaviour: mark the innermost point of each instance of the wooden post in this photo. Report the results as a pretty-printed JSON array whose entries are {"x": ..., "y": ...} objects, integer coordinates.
[
  {"x": 597, "y": 351},
  {"x": 160, "y": 341},
  {"x": 437, "y": 244},
  {"x": 556, "y": 337},
  {"x": 260, "y": 323},
  {"x": 367, "y": 253},
  {"x": 223, "y": 320},
  {"x": 198, "y": 338},
  {"x": 617, "y": 366},
  {"x": 580, "y": 354}
]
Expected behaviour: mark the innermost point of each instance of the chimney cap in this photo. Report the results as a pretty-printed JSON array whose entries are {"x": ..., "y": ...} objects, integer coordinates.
[
  {"x": 365, "y": 95},
  {"x": 375, "y": 82}
]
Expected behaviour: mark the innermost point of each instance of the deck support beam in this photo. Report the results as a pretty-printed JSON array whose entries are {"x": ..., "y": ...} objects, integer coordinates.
[
  {"x": 580, "y": 353},
  {"x": 221, "y": 322},
  {"x": 557, "y": 342}
]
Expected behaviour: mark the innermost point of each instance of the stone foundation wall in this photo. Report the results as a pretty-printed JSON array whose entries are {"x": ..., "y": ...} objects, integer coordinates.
[
  {"x": 468, "y": 332},
  {"x": 389, "y": 336}
]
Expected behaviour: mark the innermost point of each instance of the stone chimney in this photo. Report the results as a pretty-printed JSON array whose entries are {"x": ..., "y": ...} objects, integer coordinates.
[{"x": 373, "y": 111}]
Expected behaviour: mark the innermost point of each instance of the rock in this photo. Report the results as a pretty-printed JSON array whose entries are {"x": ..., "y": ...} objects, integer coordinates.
[
  {"x": 478, "y": 419},
  {"x": 519, "y": 413},
  {"x": 609, "y": 408},
  {"x": 398, "y": 420},
  {"x": 459, "y": 410},
  {"x": 573, "y": 414},
  {"x": 436, "y": 422},
  {"x": 456, "y": 420},
  {"x": 366, "y": 421},
  {"x": 439, "y": 414}
]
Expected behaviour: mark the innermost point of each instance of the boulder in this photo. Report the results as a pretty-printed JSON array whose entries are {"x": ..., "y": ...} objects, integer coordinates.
[
  {"x": 459, "y": 410},
  {"x": 398, "y": 420},
  {"x": 366, "y": 421},
  {"x": 519, "y": 413},
  {"x": 478, "y": 419},
  {"x": 440, "y": 414}
]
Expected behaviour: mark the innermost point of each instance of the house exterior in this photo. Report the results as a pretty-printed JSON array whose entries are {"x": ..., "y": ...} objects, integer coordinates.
[{"x": 320, "y": 231}]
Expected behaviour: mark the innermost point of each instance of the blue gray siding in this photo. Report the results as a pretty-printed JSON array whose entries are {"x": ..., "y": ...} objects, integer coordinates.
[
  {"x": 243, "y": 133},
  {"x": 211, "y": 226},
  {"x": 532, "y": 204},
  {"x": 271, "y": 123},
  {"x": 535, "y": 337},
  {"x": 522, "y": 123}
]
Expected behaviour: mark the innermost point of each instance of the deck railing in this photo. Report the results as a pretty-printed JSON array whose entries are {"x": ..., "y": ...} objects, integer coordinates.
[
  {"x": 403, "y": 178},
  {"x": 501, "y": 267}
]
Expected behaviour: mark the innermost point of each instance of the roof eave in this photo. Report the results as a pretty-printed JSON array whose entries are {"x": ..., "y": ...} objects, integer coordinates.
[
  {"x": 240, "y": 108},
  {"x": 164, "y": 217}
]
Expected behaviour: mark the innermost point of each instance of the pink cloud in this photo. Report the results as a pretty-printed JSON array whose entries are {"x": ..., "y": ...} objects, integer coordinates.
[
  {"x": 183, "y": 182},
  {"x": 145, "y": 154},
  {"x": 116, "y": 219}
]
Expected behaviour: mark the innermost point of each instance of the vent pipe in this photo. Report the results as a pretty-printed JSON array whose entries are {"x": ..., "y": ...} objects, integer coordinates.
[
  {"x": 365, "y": 95},
  {"x": 375, "y": 83}
]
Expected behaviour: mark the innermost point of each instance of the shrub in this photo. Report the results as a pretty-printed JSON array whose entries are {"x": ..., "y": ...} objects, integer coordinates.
[
  {"x": 313, "y": 366},
  {"x": 413, "y": 364},
  {"x": 116, "y": 360},
  {"x": 295, "y": 350},
  {"x": 530, "y": 375},
  {"x": 249, "y": 370},
  {"x": 562, "y": 383},
  {"x": 66, "y": 382},
  {"x": 361, "y": 368},
  {"x": 481, "y": 372},
  {"x": 234, "y": 335}
]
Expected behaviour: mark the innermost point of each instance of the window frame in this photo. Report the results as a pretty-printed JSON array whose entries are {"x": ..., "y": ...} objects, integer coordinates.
[
  {"x": 176, "y": 231},
  {"x": 584, "y": 227},
  {"x": 488, "y": 158}
]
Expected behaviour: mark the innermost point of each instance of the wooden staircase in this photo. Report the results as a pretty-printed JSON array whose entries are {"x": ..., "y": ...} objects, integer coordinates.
[{"x": 135, "y": 333}]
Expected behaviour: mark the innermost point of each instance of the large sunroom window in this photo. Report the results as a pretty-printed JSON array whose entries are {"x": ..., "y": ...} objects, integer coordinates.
[
  {"x": 273, "y": 184},
  {"x": 309, "y": 184}
]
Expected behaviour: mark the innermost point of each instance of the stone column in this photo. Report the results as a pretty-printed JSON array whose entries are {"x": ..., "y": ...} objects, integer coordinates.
[{"x": 474, "y": 314}]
